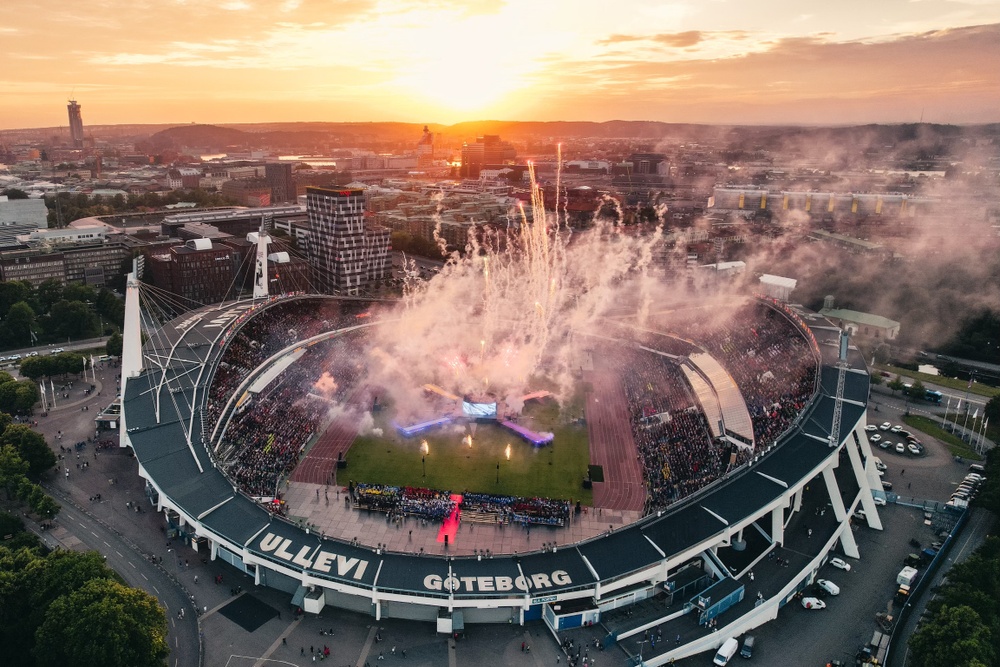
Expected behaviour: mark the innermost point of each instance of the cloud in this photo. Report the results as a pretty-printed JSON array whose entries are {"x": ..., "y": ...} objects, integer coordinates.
[
  {"x": 235, "y": 6},
  {"x": 678, "y": 40}
]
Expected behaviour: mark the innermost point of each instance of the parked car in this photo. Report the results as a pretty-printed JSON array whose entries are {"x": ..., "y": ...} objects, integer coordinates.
[
  {"x": 828, "y": 586},
  {"x": 813, "y": 603},
  {"x": 879, "y": 465},
  {"x": 871, "y": 428},
  {"x": 896, "y": 429},
  {"x": 914, "y": 449},
  {"x": 885, "y": 444},
  {"x": 900, "y": 448},
  {"x": 885, "y": 426},
  {"x": 840, "y": 564},
  {"x": 875, "y": 438},
  {"x": 879, "y": 500},
  {"x": 748, "y": 643},
  {"x": 886, "y": 486}
]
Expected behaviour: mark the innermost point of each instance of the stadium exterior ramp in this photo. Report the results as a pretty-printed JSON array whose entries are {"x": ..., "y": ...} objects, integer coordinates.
[{"x": 163, "y": 402}]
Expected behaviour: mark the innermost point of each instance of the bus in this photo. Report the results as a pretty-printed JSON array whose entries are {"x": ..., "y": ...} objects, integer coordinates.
[{"x": 933, "y": 396}]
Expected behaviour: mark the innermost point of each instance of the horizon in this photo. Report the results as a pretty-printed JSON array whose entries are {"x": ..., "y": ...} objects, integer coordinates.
[{"x": 760, "y": 63}]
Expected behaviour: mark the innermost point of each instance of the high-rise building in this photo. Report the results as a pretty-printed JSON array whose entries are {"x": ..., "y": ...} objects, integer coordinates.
[
  {"x": 487, "y": 150},
  {"x": 344, "y": 256},
  {"x": 425, "y": 149},
  {"x": 279, "y": 178},
  {"x": 75, "y": 124}
]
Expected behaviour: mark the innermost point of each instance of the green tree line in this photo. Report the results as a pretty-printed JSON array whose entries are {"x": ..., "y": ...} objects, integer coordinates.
[
  {"x": 53, "y": 313},
  {"x": 67, "y": 206},
  {"x": 963, "y": 627},
  {"x": 69, "y": 608}
]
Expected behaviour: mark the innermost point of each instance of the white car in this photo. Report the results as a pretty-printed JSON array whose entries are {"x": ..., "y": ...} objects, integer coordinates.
[
  {"x": 828, "y": 586},
  {"x": 900, "y": 448},
  {"x": 840, "y": 564},
  {"x": 885, "y": 426},
  {"x": 14, "y": 357},
  {"x": 914, "y": 450},
  {"x": 871, "y": 428},
  {"x": 813, "y": 603},
  {"x": 875, "y": 438},
  {"x": 878, "y": 500},
  {"x": 896, "y": 429},
  {"x": 32, "y": 354}
]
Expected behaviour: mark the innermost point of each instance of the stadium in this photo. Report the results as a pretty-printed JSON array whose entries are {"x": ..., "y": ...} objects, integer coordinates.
[{"x": 720, "y": 440}]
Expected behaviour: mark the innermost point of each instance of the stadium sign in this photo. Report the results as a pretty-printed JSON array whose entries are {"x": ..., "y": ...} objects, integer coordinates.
[
  {"x": 434, "y": 582},
  {"x": 324, "y": 561}
]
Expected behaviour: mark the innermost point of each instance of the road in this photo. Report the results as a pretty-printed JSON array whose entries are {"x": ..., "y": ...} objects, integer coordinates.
[{"x": 138, "y": 571}]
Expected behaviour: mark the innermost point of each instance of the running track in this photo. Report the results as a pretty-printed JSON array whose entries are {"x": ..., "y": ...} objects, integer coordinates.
[
  {"x": 321, "y": 460},
  {"x": 612, "y": 445}
]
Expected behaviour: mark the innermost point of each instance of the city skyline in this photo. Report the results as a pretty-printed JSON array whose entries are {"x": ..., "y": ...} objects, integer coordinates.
[{"x": 767, "y": 61}]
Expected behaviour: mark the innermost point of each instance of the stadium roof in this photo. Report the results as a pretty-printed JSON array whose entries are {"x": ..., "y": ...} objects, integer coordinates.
[
  {"x": 734, "y": 409},
  {"x": 169, "y": 446},
  {"x": 859, "y": 317}
]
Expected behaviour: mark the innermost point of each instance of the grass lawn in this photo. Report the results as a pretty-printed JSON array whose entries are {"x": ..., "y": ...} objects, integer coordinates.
[
  {"x": 951, "y": 383},
  {"x": 932, "y": 428},
  {"x": 554, "y": 471}
]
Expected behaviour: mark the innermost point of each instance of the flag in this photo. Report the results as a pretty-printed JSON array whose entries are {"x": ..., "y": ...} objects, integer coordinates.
[
  {"x": 958, "y": 408},
  {"x": 970, "y": 382},
  {"x": 974, "y": 414}
]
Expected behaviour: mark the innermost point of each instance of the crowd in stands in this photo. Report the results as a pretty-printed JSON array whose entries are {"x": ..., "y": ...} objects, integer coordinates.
[
  {"x": 771, "y": 363},
  {"x": 272, "y": 329},
  {"x": 264, "y": 439},
  {"x": 675, "y": 448},
  {"x": 769, "y": 360}
]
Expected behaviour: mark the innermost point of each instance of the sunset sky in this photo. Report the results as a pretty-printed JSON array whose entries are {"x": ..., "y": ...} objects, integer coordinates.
[{"x": 443, "y": 61}]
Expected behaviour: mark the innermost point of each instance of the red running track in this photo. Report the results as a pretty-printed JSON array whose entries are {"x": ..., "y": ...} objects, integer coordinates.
[
  {"x": 612, "y": 446},
  {"x": 321, "y": 460}
]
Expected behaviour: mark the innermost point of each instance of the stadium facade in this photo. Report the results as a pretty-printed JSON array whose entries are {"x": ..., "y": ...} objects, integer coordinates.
[{"x": 720, "y": 533}]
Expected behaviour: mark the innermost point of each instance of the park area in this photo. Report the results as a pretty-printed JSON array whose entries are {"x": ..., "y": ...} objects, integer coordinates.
[{"x": 453, "y": 464}]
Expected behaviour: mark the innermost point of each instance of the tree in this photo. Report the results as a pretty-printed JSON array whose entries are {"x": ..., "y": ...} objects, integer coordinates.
[
  {"x": 876, "y": 379},
  {"x": 31, "y": 447},
  {"x": 957, "y": 636},
  {"x": 992, "y": 410},
  {"x": 15, "y": 193},
  {"x": 103, "y": 624},
  {"x": 49, "y": 292},
  {"x": 18, "y": 323},
  {"x": 895, "y": 385},
  {"x": 13, "y": 469},
  {"x": 114, "y": 345},
  {"x": 74, "y": 319},
  {"x": 917, "y": 390}
]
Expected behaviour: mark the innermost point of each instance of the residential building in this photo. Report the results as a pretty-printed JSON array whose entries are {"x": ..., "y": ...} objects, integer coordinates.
[{"x": 339, "y": 247}]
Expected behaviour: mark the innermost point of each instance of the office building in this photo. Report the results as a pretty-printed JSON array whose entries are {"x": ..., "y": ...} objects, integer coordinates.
[
  {"x": 343, "y": 255},
  {"x": 486, "y": 150},
  {"x": 279, "y": 178},
  {"x": 75, "y": 124}
]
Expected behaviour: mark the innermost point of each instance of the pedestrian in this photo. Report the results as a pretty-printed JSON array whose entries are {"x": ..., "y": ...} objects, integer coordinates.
[
  {"x": 522, "y": 647},
  {"x": 284, "y": 641},
  {"x": 902, "y": 472},
  {"x": 751, "y": 575},
  {"x": 302, "y": 650},
  {"x": 393, "y": 650},
  {"x": 196, "y": 578}
]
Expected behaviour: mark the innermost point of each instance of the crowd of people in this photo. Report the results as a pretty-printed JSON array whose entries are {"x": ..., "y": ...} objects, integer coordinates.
[
  {"x": 267, "y": 332},
  {"x": 265, "y": 437},
  {"x": 769, "y": 360},
  {"x": 771, "y": 363},
  {"x": 434, "y": 505},
  {"x": 675, "y": 447},
  {"x": 517, "y": 510},
  {"x": 396, "y": 501}
]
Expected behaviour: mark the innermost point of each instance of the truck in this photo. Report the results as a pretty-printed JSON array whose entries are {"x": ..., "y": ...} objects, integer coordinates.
[{"x": 906, "y": 576}]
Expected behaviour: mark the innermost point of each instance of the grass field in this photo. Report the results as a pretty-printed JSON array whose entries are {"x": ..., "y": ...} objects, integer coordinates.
[
  {"x": 931, "y": 428},
  {"x": 554, "y": 471}
]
